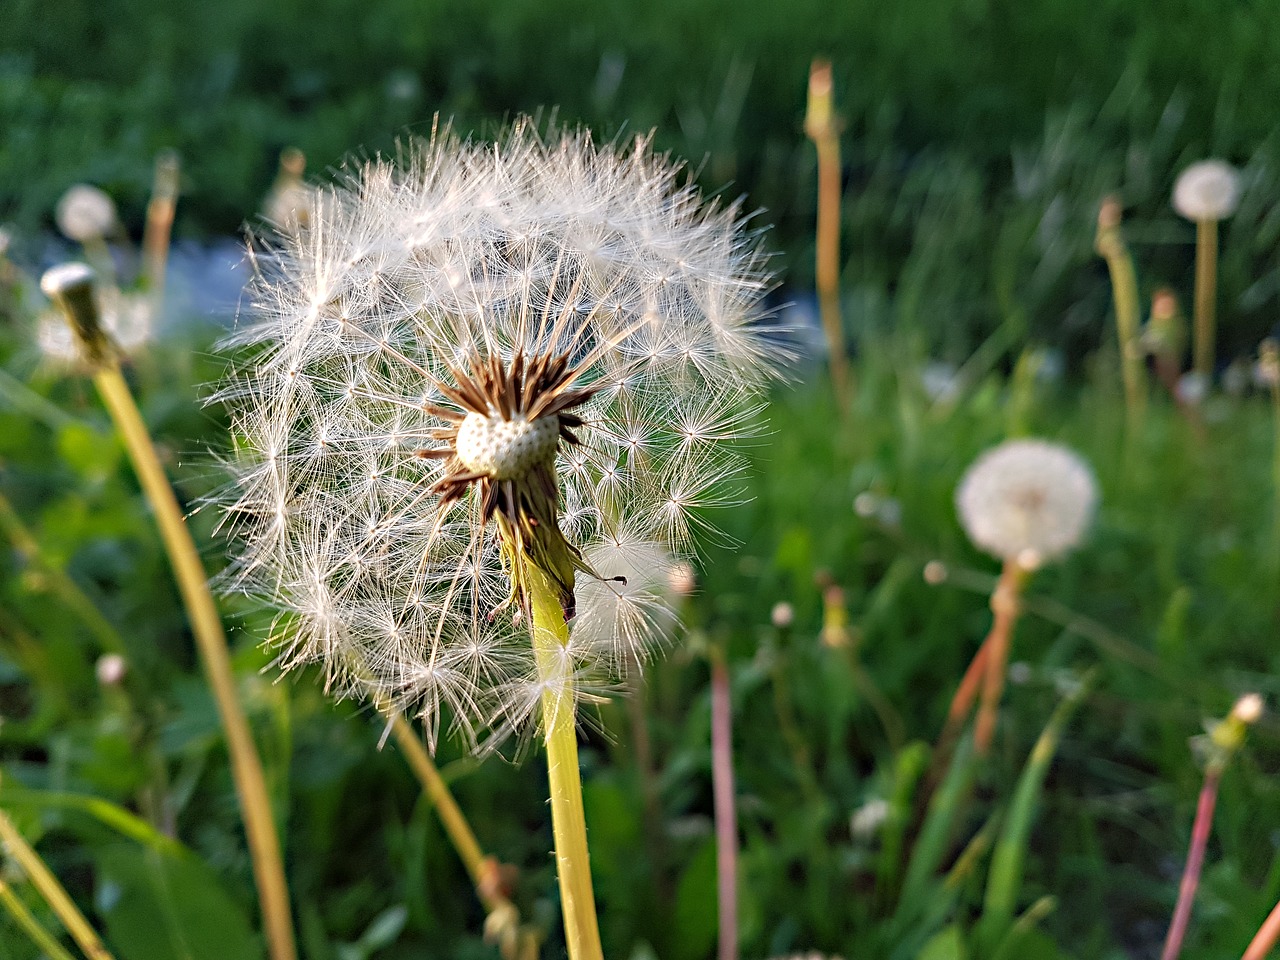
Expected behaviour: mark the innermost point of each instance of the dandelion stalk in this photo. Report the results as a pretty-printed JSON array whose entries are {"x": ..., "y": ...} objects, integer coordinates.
[
  {"x": 46, "y": 942},
  {"x": 1221, "y": 743},
  {"x": 821, "y": 126},
  {"x": 71, "y": 287},
  {"x": 560, "y": 735},
  {"x": 1265, "y": 939},
  {"x": 52, "y": 891},
  {"x": 1110, "y": 245},
  {"x": 159, "y": 228},
  {"x": 1205, "y": 193},
  {"x": 726, "y": 816},
  {"x": 485, "y": 871}
]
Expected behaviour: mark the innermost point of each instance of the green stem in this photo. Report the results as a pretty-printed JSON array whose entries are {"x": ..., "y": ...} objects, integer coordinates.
[
  {"x": 24, "y": 918},
  {"x": 1124, "y": 291},
  {"x": 568, "y": 820},
  {"x": 54, "y": 894},
  {"x": 1206, "y": 295},
  {"x": 206, "y": 625}
]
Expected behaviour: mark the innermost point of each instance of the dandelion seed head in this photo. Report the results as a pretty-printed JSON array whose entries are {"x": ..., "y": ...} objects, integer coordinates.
[
  {"x": 1027, "y": 501},
  {"x": 127, "y": 319},
  {"x": 1208, "y": 190},
  {"x": 540, "y": 341},
  {"x": 85, "y": 213}
]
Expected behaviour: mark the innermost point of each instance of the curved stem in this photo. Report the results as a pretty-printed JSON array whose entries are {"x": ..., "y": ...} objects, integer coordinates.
[
  {"x": 559, "y": 723},
  {"x": 1265, "y": 938},
  {"x": 1005, "y": 607},
  {"x": 206, "y": 626},
  {"x": 52, "y": 891},
  {"x": 24, "y": 918}
]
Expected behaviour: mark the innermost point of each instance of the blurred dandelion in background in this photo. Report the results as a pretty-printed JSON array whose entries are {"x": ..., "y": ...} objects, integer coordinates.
[
  {"x": 481, "y": 357},
  {"x": 1027, "y": 501},
  {"x": 85, "y": 214}
]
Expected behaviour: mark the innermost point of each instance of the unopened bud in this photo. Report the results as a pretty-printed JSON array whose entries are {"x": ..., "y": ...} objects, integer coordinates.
[
  {"x": 111, "y": 669},
  {"x": 935, "y": 572},
  {"x": 1248, "y": 709},
  {"x": 782, "y": 615},
  {"x": 70, "y": 287}
]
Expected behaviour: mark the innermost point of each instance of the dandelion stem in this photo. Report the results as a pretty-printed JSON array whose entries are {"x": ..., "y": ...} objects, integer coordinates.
[
  {"x": 52, "y": 891},
  {"x": 159, "y": 229},
  {"x": 1206, "y": 296},
  {"x": 57, "y": 579},
  {"x": 725, "y": 812},
  {"x": 820, "y": 125},
  {"x": 42, "y": 938},
  {"x": 1124, "y": 290},
  {"x": 246, "y": 766},
  {"x": 1265, "y": 938},
  {"x": 568, "y": 820},
  {"x": 1195, "y": 860},
  {"x": 1005, "y": 608}
]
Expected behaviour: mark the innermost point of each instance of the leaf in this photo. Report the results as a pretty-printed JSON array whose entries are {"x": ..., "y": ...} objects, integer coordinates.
[
  {"x": 166, "y": 907},
  {"x": 946, "y": 944},
  {"x": 696, "y": 918}
]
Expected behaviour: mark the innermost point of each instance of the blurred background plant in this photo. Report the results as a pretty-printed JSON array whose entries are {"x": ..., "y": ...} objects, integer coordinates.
[{"x": 978, "y": 144}]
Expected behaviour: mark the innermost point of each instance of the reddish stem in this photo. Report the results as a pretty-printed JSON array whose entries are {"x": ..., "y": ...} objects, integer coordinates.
[
  {"x": 725, "y": 813},
  {"x": 1266, "y": 936},
  {"x": 1195, "y": 860}
]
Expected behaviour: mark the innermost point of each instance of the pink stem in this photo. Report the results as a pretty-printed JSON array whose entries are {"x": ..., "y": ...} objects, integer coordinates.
[
  {"x": 726, "y": 816},
  {"x": 1195, "y": 860}
]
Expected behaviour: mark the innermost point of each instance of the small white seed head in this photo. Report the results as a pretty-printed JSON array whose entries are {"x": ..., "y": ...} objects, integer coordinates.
[
  {"x": 935, "y": 572},
  {"x": 782, "y": 615},
  {"x": 85, "y": 213},
  {"x": 111, "y": 669},
  {"x": 1028, "y": 501},
  {"x": 1208, "y": 190},
  {"x": 1248, "y": 709}
]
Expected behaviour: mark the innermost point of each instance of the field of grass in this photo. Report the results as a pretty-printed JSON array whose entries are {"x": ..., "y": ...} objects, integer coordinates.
[{"x": 979, "y": 142}]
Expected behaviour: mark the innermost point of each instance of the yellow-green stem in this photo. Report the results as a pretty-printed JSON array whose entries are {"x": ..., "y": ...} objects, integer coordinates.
[
  {"x": 1206, "y": 296},
  {"x": 45, "y": 941},
  {"x": 821, "y": 127},
  {"x": 206, "y": 625},
  {"x": 568, "y": 821},
  {"x": 447, "y": 809},
  {"x": 1124, "y": 291},
  {"x": 52, "y": 891}
]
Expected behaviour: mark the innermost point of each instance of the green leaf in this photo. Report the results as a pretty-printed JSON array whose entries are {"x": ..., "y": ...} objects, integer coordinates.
[
  {"x": 160, "y": 907},
  {"x": 946, "y": 944},
  {"x": 696, "y": 918}
]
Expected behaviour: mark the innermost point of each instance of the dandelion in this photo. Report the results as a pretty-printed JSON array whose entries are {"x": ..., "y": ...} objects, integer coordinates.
[
  {"x": 85, "y": 214},
  {"x": 484, "y": 399},
  {"x": 1028, "y": 502},
  {"x": 1027, "y": 499},
  {"x": 1206, "y": 193}
]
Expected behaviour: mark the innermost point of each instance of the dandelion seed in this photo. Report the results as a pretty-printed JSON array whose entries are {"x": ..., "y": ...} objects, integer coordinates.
[
  {"x": 476, "y": 361},
  {"x": 1027, "y": 499}
]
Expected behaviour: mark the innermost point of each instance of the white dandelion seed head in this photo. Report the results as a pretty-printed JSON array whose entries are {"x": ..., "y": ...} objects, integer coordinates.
[
  {"x": 1208, "y": 190},
  {"x": 84, "y": 213},
  {"x": 455, "y": 334},
  {"x": 1027, "y": 501}
]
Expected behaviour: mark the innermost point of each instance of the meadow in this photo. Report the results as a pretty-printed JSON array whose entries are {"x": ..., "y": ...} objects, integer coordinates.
[{"x": 837, "y": 600}]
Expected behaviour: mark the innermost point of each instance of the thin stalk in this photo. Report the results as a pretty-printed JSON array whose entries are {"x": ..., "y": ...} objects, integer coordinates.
[
  {"x": 1206, "y": 294},
  {"x": 726, "y": 816},
  {"x": 560, "y": 733},
  {"x": 1005, "y": 608},
  {"x": 1195, "y": 860},
  {"x": 821, "y": 127},
  {"x": 60, "y": 583},
  {"x": 45, "y": 941},
  {"x": 159, "y": 228},
  {"x": 206, "y": 625},
  {"x": 1110, "y": 245},
  {"x": 1265, "y": 938},
  {"x": 52, "y": 891}
]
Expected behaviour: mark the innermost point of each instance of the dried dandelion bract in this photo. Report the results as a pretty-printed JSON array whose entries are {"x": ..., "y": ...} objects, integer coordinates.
[{"x": 541, "y": 335}]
